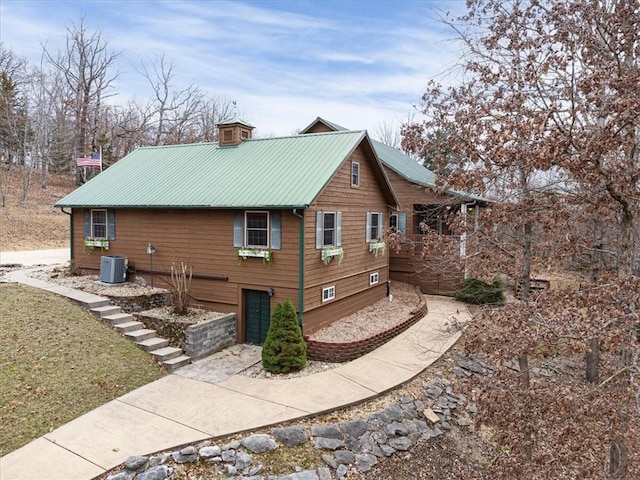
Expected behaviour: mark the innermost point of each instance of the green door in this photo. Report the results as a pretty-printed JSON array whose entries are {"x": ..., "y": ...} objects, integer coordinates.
[{"x": 257, "y": 316}]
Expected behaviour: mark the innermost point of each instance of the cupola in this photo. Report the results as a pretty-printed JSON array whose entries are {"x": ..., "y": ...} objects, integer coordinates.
[{"x": 232, "y": 131}]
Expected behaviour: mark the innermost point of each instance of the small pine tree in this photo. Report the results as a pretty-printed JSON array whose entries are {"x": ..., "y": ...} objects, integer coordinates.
[{"x": 284, "y": 349}]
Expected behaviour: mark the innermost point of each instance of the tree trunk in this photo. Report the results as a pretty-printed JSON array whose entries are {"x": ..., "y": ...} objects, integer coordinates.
[
  {"x": 592, "y": 358},
  {"x": 527, "y": 447}
]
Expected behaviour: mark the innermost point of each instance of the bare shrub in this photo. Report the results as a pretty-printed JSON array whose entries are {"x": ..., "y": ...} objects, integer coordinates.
[{"x": 181, "y": 275}]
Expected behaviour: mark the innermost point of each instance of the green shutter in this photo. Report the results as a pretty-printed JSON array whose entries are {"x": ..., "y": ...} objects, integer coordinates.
[
  {"x": 319, "y": 240},
  {"x": 339, "y": 228},
  {"x": 237, "y": 229},
  {"x": 276, "y": 226},
  {"x": 87, "y": 223},
  {"x": 111, "y": 224}
]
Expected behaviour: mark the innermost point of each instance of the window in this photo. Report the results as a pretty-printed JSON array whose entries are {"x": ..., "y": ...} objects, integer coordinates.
[
  {"x": 374, "y": 226},
  {"x": 99, "y": 224},
  {"x": 433, "y": 217},
  {"x": 393, "y": 222},
  {"x": 328, "y": 293},
  {"x": 328, "y": 229},
  {"x": 227, "y": 135},
  {"x": 257, "y": 229},
  {"x": 245, "y": 134},
  {"x": 355, "y": 174},
  {"x": 373, "y": 278}
]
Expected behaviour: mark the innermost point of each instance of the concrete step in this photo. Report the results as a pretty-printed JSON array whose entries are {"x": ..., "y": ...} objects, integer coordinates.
[
  {"x": 92, "y": 301},
  {"x": 139, "y": 335},
  {"x": 166, "y": 353},
  {"x": 154, "y": 343},
  {"x": 118, "y": 318},
  {"x": 128, "y": 326},
  {"x": 105, "y": 311},
  {"x": 177, "y": 362}
]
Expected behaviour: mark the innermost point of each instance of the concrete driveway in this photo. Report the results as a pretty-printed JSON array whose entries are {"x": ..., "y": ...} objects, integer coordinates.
[{"x": 57, "y": 256}]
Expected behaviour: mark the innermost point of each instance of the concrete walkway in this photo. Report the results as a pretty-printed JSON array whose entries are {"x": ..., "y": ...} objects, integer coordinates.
[
  {"x": 177, "y": 410},
  {"x": 36, "y": 257}
]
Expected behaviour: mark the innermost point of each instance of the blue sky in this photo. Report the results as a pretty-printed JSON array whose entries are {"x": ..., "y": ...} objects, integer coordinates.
[{"x": 358, "y": 63}]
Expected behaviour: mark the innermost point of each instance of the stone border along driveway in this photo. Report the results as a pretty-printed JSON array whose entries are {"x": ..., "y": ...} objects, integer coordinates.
[{"x": 356, "y": 444}]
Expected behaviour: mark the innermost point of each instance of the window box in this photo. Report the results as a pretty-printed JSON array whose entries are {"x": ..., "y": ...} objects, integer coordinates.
[
  {"x": 377, "y": 248},
  {"x": 329, "y": 253},
  {"x": 265, "y": 254},
  {"x": 92, "y": 243}
]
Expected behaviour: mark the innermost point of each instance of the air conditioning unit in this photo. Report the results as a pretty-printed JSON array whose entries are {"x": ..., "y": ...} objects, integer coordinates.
[{"x": 113, "y": 269}]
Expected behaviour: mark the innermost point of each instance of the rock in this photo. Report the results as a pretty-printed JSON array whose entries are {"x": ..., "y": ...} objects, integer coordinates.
[
  {"x": 136, "y": 463},
  {"x": 344, "y": 457},
  {"x": 231, "y": 470},
  {"x": 328, "y": 431},
  {"x": 159, "y": 459},
  {"x": 329, "y": 460},
  {"x": 229, "y": 456},
  {"x": 355, "y": 428},
  {"x": 327, "y": 443},
  {"x": 341, "y": 471},
  {"x": 387, "y": 451},
  {"x": 472, "y": 408},
  {"x": 253, "y": 471},
  {"x": 259, "y": 443},
  {"x": 433, "y": 391},
  {"x": 124, "y": 475},
  {"x": 421, "y": 425},
  {"x": 291, "y": 436},
  {"x": 463, "y": 422},
  {"x": 474, "y": 367},
  {"x": 365, "y": 461},
  {"x": 243, "y": 460},
  {"x": 406, "y": 399},
  {"x": 303, "y": 475},
  {"x": 401, "y": 428},
  {"x": 394, "y": 413},
  {"x": 209, "y": 452},
  {"x": 186, "y": 455},
  {"x": 324, "y": 473},
  {"x": 401, "y": 443},
  {"x": 161, "y": 472},
  {"x": 231, "y": 445}
]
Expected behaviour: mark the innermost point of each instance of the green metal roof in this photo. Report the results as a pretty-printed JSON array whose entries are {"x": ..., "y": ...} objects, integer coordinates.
[
  {"x": 282, "y": 172},
  {"x": 400, "y": 163}
]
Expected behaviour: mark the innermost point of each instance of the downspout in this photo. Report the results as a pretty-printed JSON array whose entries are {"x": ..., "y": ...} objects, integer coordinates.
[
  {"x": 300, "y": 269},
  {"x": 70, "y": 232}
]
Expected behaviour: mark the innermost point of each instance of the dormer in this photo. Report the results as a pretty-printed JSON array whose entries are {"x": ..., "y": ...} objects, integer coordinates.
[{"x": 232, "y": 131}]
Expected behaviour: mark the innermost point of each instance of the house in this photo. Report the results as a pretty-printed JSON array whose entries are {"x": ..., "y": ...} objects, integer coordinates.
[
  {"x": 258, "y": 220},
  {"x": 420, "y": 203}
]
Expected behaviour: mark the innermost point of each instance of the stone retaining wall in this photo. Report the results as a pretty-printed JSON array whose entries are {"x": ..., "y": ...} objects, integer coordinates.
[
  {"x": 208, "y": 337},
  {"x": 338, "y": 352},
  {"x": 132, "y": 304}
]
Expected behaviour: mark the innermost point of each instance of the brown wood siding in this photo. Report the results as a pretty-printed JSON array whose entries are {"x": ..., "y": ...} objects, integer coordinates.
[
  {"x": 319, "y": 128},
  {"x": 351, "y": 278},
  {"x": 334, "y": 310},
  {"x": 203, "y": 239},
  {"x": 407, "y": 265}
]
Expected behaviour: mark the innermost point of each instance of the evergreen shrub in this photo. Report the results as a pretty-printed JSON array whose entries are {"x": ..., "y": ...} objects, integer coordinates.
[{"x": 284, "y": 349}]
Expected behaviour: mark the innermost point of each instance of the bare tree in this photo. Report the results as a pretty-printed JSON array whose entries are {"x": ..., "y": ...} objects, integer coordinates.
[{"x": 86, "y": 68}]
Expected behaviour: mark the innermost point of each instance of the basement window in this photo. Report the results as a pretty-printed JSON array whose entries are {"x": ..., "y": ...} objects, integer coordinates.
[
  {"x": 373, "y": 278},
  {"x": 328, "y": 293}
]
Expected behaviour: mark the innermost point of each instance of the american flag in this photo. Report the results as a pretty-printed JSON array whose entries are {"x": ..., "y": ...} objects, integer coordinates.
[{"x": 94, "y": 160}]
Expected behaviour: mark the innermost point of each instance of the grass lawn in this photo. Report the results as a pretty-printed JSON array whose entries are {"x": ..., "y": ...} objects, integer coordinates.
[{"x": 57, "y": 362}]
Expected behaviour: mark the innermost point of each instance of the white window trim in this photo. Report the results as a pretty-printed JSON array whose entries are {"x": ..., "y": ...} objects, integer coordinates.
[
  {"x": 355, "y": 166},
  {"x": 328, "y": 293},
  {"x": 106, "y": 224},
  {"x": 374, "y": 278},
  {"x": 379, "y": 227},
  {"x": 246, "y": 230}
]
